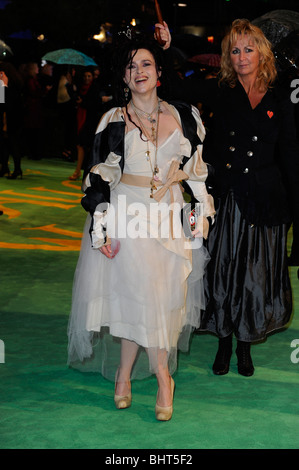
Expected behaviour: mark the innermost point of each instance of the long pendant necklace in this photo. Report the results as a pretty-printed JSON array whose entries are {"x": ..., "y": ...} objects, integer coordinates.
[
  {"x": 153, "y": 138},
  {"x": 148, "y": 116}
]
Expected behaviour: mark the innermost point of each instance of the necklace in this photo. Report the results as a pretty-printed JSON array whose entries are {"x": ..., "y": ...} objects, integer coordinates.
[
  {"x": 153, "y": 138},
  {"x": 148, "y": 116}
]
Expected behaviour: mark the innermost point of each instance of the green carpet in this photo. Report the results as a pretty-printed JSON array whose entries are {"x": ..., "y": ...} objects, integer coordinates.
[{"x": 46, "y": 405}]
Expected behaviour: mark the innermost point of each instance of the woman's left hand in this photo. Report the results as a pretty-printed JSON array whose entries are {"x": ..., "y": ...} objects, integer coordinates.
[
  {"x": 165, "y": 34},
  {"x": 111, "y": 248},
  {"x": 202, "y": 228}
]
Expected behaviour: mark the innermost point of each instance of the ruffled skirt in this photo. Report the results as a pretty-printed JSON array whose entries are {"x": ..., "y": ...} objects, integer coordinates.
[
  {"x": 150, "y": 294},
  {"x": 247, "y": 283}
]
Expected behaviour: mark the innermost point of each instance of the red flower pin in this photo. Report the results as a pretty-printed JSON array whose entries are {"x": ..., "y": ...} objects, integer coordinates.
[{"x": 270, "y": 114}]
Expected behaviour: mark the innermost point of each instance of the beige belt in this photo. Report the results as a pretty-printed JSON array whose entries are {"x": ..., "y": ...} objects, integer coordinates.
[{"x": 174, "y": 177}]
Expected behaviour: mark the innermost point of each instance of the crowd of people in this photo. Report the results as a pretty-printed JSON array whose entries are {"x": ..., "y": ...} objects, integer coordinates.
[
  {"x": 42, "y": 102},
  {"x": 145, "y": 283}
]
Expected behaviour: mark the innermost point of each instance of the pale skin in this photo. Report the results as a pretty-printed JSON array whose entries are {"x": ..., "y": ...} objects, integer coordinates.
[
  {"x": 245, "y": 58},
  {"x": 165, "y": 34},
  {"x": 141, "y": 77}
]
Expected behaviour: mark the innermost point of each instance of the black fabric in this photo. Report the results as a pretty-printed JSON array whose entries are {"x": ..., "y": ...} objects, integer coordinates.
[
  {"x": 253, "y": 151},
  {"x": 111, "y": 139},
  {"x": 188, "y": 124},
  {"x": 97, "y": 193},
  {"x": 247, "y": 282}
]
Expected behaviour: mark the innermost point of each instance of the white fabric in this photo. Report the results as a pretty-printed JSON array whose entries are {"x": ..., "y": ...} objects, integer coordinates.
[{"x": 148, "y": 293}]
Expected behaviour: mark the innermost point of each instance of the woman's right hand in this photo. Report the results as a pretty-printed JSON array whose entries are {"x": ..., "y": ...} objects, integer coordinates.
[
  {"x": 164, "y": 33},
  {"x": 110, "y": 250}
]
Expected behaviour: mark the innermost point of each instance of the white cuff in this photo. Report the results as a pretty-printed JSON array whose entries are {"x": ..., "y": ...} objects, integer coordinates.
[{"x": 98, "y": 234}]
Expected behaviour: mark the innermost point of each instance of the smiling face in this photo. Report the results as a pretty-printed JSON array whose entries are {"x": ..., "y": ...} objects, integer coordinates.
[
  {"x": 141, "y": 73},
  {"x": 245, "y": 57}
]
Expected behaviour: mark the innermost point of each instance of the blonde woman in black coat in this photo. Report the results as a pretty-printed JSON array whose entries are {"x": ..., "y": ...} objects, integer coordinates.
[{"x": 255, "y": 157}]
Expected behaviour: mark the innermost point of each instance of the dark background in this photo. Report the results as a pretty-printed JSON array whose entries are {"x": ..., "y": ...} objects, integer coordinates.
[{"x": 72, "y": 23}]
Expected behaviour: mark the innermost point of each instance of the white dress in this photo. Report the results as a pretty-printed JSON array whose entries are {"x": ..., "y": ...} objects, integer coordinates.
[{"x": 148, "y": 293}]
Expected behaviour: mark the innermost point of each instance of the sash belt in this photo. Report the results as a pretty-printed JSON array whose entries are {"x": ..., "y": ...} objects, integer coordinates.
[{"x": 174, "y": 177}]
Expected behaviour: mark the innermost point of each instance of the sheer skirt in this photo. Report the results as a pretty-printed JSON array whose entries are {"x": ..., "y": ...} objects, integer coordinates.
[{"x": 146, "y": 294}]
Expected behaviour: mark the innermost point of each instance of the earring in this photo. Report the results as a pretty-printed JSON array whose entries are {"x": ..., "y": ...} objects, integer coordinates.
[
  {"x": 126, "y": 91},
  {"x": 158, "y": 83}
]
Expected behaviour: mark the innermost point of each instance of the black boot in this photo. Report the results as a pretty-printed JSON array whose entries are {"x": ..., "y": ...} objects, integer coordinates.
[
  {"x": 222, "y": 359},
  {"x": 4, "y": 171},
  {"x": 245, "y": 365},
  {"x": 15, "y": 174}
]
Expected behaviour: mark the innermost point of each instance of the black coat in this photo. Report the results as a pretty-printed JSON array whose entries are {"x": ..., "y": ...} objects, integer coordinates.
[{"x": 254, "y": 152}]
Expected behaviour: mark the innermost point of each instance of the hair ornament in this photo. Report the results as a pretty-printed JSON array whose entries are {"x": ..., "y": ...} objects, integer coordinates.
[{"x": 127, "y": 33}]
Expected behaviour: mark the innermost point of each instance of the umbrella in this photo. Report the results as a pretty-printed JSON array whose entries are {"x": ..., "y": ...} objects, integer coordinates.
[
  {"x": 68, "y": 57},
  {"x": 287, "y": 54},
  {"x": 212, "y": 60},
  {"x": 5, "y": 50},
  {"x": 277, "y": 24}
]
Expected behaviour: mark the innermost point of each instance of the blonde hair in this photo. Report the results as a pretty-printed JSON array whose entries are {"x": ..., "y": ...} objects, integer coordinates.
[{"x": 267, "y": 70}]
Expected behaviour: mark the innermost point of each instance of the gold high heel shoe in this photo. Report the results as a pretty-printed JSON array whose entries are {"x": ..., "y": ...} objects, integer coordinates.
[
  {"x": 122, "y": 401},
  {"x": 164, "y": 413}
]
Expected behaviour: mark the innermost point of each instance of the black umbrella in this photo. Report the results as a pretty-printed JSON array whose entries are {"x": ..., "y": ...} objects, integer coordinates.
[
  {"x": 287, "y": 54},
  {"x": 278, "y": 24}
]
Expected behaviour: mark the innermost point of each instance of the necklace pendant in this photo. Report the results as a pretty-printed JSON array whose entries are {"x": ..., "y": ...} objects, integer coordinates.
[
  {"x": 147, "y": 153},
  {"x": 153, "y": 186}
]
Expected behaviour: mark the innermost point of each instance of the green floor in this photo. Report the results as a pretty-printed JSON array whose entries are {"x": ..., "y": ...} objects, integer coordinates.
[{"x": 46, "y": 405}]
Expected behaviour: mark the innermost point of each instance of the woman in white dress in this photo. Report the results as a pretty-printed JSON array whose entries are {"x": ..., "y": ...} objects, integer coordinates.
[{"x": 138, "y": 288}]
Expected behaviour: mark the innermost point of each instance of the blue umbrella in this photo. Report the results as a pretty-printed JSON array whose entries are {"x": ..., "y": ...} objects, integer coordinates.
[{"x": 68, "y": 57}]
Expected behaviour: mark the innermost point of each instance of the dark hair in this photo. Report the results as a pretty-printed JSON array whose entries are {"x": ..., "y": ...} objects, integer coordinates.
[{"x": 123, "y": 55}]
